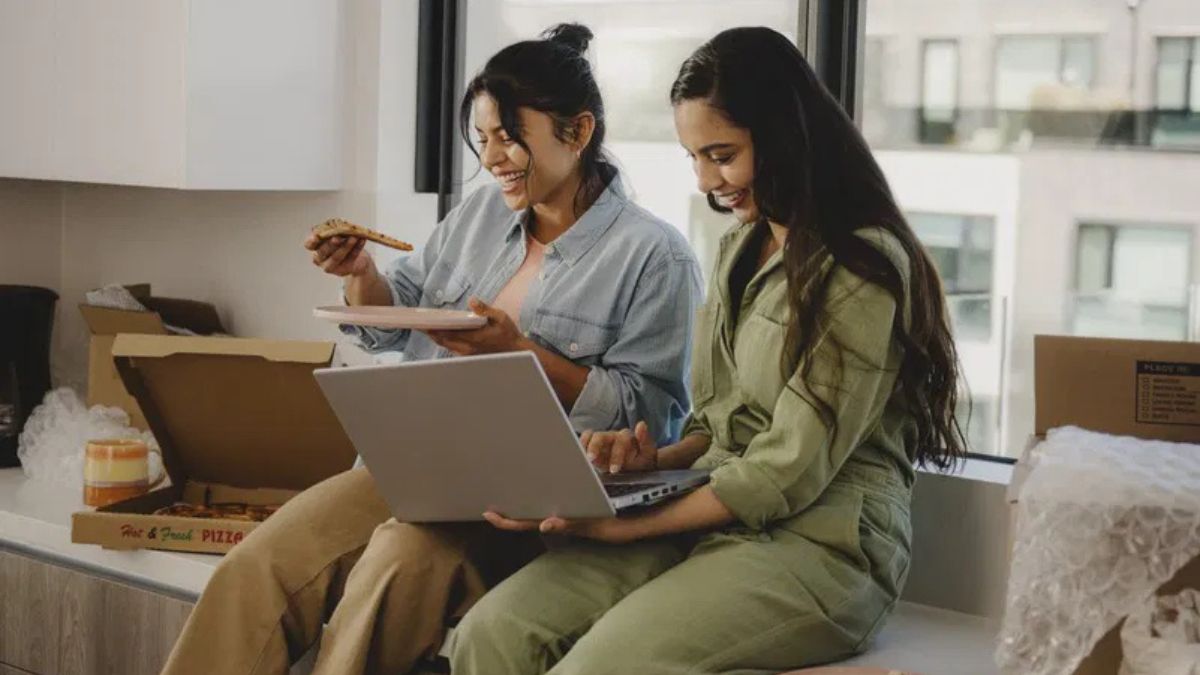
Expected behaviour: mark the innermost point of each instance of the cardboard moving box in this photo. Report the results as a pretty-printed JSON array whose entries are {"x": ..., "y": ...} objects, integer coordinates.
[
  {"x": 237, "y": 420},
  {"x": 1148, "y": 389},
  {"x": 104, "y": 385}
]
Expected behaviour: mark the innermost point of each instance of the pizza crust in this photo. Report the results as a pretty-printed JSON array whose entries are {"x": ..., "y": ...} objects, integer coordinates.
[{"x": 336, "y": 227}]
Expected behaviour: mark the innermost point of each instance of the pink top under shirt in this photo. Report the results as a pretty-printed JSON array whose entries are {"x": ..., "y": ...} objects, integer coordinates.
[{"x": 512, "y": 296}]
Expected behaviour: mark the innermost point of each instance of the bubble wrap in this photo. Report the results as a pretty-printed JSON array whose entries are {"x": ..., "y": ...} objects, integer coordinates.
[
  {"x": 52, "y": 443},
  {"x": 1102, "y": 522}
]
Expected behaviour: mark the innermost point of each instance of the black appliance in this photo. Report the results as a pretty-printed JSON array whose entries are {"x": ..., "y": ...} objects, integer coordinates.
[{"x": 26, "y": 319}]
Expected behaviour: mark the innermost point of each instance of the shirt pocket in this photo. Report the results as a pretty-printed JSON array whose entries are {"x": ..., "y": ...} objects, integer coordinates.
[
  {"x": 758, "y": 350},
  {"x": 705, "y": 342},
  {"x": 577, "y": 339},
  {"x": 446, "y": 288}
]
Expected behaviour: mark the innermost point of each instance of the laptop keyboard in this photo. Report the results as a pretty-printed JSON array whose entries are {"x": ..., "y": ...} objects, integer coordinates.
[{"x": 621, "y": 489}]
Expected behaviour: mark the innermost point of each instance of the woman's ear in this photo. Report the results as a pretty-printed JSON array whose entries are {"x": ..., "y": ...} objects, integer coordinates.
[{"x": 584, "y": 125}]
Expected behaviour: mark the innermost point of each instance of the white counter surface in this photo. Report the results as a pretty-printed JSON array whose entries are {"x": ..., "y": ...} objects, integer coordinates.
[{"x": 35, "y": 520}]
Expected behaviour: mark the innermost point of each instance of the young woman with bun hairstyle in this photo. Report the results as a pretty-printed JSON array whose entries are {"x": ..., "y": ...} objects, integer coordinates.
[{"x": 563, "y": 265}]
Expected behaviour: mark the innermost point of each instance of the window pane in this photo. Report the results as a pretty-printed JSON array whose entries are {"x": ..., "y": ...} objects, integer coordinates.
[
  {"x": 1171, "y": 84},
  {"x": 939, "y": 91},
  {"x": 1069, "y": 231},
  {"x": 1025, "y": 65},
  {"x": 1150, "y": 265},
  {"x": 1078, "y": 62},
  {"x": 1093, "y": 266},
  {"x": 961, "y": 249},
  {"x": 1147, "y": 277}
]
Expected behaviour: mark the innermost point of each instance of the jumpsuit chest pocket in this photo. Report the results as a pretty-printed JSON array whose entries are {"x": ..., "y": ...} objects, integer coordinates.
[
  {"x": 574, "y": 338},
  {"x": 758, "y": 348}
]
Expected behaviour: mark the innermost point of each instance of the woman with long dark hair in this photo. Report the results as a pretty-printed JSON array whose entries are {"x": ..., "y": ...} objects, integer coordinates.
[
  {"x": 562, "y": 264},
  {"x": 823, "y": 372}
]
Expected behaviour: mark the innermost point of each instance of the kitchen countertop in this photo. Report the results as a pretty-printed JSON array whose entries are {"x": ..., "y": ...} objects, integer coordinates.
[{"x": 35, "y": 520}]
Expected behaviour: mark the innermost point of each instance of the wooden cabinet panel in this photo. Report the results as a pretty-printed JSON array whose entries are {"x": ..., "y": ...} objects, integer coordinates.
[{"x": 60, "y": 621}]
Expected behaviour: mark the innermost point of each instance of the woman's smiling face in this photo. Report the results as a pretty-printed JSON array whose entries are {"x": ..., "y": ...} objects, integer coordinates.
[
  {"x": 523, "y": 182},
  {"x": 722, "y": 156}
]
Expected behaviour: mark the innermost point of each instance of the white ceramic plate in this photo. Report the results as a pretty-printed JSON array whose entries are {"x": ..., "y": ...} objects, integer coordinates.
[{"x": 414, "y": 318}]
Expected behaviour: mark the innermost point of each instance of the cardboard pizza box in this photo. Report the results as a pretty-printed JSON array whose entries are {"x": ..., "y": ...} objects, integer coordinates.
[
  {"x": 238, "y": 420},
  {"x": 104, "y": 385}
]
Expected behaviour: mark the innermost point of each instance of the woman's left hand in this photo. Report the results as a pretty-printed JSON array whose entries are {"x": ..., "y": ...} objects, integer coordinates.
[
  {"x": 499, "y": 335},
  {"x": 608, "y": 530}
]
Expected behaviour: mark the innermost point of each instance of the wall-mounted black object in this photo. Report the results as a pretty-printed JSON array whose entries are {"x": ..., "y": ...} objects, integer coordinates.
[
  {"x": 439, "y": 66},
  {"x": 26, "y": 320}
]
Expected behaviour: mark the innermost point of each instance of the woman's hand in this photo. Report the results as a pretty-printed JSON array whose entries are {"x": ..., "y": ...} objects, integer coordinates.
[
  {"x": 608, "y": 530},
  {"x": 341, "y": 256},
  {"x": 623, "y": 450},
  {"x": 499, "y": 335}
]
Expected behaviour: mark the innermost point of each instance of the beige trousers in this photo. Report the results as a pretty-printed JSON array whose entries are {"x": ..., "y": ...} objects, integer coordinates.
[{"x": 332, "y": 555}]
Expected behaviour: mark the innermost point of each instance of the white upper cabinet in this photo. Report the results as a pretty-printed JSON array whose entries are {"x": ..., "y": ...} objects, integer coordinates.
[{"x": 196, "y": 94}]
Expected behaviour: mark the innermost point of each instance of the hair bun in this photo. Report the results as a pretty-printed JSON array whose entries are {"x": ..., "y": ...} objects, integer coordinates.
[{"x": 573, "y": 36}]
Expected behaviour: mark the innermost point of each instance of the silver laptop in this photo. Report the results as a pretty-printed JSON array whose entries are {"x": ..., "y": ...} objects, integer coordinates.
[{"x": 449, "y": 439}]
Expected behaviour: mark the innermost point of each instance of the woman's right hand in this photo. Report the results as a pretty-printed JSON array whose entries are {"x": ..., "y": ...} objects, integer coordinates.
[
  {"x": 622, "y": 450},
  {"x": 341, "y": 256}
]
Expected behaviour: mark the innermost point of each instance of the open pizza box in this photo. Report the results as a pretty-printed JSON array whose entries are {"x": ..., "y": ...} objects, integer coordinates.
[
  {"x": 1143, "y": 388},
  {"x": 104, "y": 323},
  {"x": 238, "y": 421}
]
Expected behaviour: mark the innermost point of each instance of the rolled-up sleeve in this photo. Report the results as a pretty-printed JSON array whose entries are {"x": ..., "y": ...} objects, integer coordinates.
[
  {"x": 405, "y": 277},
  {"x": 786, "y": 467},
  {"x": 642, "y": 375}
]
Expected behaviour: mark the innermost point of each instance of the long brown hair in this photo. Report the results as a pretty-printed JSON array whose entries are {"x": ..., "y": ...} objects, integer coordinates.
[{"x": 815, "y": 175}]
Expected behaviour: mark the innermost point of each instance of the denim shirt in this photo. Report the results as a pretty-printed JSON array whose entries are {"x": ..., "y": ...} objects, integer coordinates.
[{"x": 617, "y": 293}]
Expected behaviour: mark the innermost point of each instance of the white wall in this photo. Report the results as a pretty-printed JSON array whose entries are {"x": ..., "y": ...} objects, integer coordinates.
[
  {"x": 30, "y": 233},
  {"x": 239, "y": 250}
]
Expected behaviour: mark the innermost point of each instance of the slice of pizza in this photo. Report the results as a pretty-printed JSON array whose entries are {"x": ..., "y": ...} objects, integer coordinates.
[{"x": 336, "y": 227}]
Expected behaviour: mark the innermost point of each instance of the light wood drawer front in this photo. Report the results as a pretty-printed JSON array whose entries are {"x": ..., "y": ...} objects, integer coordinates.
[{"x": 57, "y": 621}]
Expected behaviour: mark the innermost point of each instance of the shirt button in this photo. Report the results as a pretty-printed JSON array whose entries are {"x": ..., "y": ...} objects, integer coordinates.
[
  {"x": 439, "y": 294},
  {"x": 542, "y": 276},
  {"x": 574, "y": 347}
]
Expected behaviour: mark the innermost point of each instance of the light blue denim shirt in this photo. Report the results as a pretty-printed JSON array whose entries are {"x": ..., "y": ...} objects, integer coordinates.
[{"x": 617, "y": 294}]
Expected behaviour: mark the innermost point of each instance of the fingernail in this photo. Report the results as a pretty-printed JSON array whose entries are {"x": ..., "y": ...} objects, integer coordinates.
[{"x": 614, "y": 468}]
